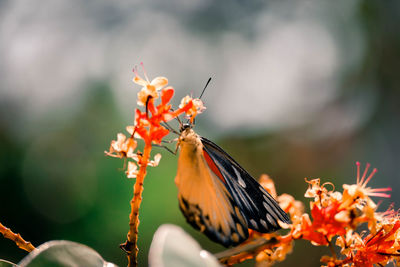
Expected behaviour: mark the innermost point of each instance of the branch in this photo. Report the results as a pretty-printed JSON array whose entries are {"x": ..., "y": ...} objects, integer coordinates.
[
  {"x": 17, "y": 238},
  {"x": 130, "y": 246}
]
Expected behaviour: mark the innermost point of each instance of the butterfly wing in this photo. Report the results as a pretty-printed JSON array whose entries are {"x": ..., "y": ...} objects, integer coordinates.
[
  {"x": 215, "y": 215},
  {"x": 203, "y": 196},
  {"x": 258, "y": 207}
]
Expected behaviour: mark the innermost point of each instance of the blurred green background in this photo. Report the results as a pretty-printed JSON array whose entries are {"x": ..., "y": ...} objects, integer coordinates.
[{"x": 300, "y": 89}]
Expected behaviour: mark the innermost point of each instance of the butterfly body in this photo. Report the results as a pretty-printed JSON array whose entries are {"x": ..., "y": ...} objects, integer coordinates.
[{"x": 217, "y": 196}]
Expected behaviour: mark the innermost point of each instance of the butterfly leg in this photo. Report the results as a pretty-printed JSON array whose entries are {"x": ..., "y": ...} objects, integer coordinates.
[{"x": 167, "y": 148}]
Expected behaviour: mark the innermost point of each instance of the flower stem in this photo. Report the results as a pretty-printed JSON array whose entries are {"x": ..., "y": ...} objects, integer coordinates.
[
  {"x": 130, "y": 246},
  {"x": 332, "y": 249},
  {"x": 17, "y": 238}
]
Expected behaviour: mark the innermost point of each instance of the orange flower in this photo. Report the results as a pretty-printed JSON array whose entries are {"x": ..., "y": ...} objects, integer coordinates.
[
  {"x": 276, "y": 253},
  {"x": 334, "y": 214},
  {"x": 348, "y": 241},
  {"x": 323, "y": 228},
  {"x": 149, "y": 89},
  {"x": 304, "y": 229},
  {"x": 122, "y": 147},
  {"x": 324, "y": 211},
  {"x": 149, "y": 128},
  {"x": 196, "y": 108},
  {"x": 320, "y": 193},
  {"x": 356, "y": 199},
  {"x": 268, "y": 184},
  {"x": 148, "y": 124},
  {"x": 378, "y": 248},
  {"x": 324, "y": 220},
  {"x": 290, "y": 205},
  {"x": 154, "y": 133},
  {"x": 359, "y": 193},
  {"x": 132, "y": 170}
]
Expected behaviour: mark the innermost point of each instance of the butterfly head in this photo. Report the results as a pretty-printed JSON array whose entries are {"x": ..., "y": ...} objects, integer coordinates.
[
  {"x": 185, "y": 126},
  {"x": 188, "y": 138}
]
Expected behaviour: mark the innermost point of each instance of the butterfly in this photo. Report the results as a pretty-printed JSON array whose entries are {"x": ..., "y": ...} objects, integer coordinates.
[{"x": 217, "y": 196}]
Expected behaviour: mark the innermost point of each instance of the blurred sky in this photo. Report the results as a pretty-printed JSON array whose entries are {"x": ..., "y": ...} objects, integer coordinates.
[{"x": 300, "y": 89}]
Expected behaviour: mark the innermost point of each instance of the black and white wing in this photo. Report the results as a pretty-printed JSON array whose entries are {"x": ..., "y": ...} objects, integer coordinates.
[{"x": 258, "y": 207}]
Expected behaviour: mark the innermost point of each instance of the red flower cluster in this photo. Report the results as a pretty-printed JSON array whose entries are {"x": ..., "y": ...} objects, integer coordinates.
[
  {"x": 324, "y": 211},
  {"x": 378, "y": 248},
  {"x": 148, "y": 124},
  {"x": 333, "y": 215}
]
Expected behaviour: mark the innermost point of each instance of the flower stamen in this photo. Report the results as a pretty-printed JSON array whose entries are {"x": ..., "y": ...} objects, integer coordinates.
[
  {"x": 144, "y": 72},
  {"x": 365, "y": 173},
  {"x": 370, "y": 176},
  {"x": 364, "y": 180}
]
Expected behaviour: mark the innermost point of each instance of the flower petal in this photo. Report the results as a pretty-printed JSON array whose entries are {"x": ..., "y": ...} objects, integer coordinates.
[
  {"x": 159, "y": 82},
  {"x": 166, "y": 95},
  {"x": 140, "y": 81},
  {"x": 130, "y": 129},
  {"x": 156, "y": 160},
  {"x": 132, "y": 171}
]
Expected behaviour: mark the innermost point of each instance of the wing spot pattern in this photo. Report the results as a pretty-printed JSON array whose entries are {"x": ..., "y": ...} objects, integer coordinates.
[
  {"x": 237, "y": 233},
  {"x": 279, "y": 215},
  {"x": 239, "y": 177},
  {"x": 264, "y": 223},
  {"x": 235, "y": 237},
  {"x": 271, "y": 220},
  {"x": 269, "y": 209},
  {"x": 239, "y": 216},
  {"x": 240, "y": 230},
  {"x": 253, "y": 223}
]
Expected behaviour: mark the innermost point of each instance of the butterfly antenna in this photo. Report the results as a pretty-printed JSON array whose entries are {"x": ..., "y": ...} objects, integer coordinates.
[
  {"x": 209, "y": 80},
  {"x": 202, "y": 92}
]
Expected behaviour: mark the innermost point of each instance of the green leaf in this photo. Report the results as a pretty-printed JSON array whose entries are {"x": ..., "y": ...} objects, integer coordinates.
[
  {"x": 172, "y": 247},
  {"x": 64, "y": 253}
]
